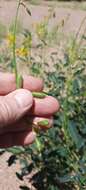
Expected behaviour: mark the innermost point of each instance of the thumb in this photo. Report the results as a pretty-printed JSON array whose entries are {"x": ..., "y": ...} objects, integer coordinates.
[{"x": 14, "y": 105}]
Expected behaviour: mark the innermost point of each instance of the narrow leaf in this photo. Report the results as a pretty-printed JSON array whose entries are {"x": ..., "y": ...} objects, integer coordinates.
[
  {"x": 11, "y": 160},
  {"x": 28, "y": 11},
  {"x": 24, "y": 188},
  {"x": 73, "y": 131},
  {"x": 16, "y": 150}
]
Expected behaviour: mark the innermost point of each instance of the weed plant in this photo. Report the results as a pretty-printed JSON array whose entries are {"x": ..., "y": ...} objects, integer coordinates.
[{"x": 59, "y": 156}]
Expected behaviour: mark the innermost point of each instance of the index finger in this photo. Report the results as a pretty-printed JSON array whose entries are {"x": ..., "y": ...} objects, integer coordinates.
[{"x": 8, "y": 83}]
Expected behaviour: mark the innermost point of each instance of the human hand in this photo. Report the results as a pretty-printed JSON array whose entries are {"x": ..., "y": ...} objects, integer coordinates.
[{"x": 17, "y": 105}]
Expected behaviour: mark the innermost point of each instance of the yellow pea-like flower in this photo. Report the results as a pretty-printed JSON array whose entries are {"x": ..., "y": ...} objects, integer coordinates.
[
  {"x": 22, "y": 51},
  {"x": 10, "y": 39}
]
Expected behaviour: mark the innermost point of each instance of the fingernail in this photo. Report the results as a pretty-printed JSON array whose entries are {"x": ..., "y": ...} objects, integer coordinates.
[{"x": 24, "y": 98}]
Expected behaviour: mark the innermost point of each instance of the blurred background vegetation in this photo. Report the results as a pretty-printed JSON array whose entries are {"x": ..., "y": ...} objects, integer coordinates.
[{"x": 58, "y": 162}]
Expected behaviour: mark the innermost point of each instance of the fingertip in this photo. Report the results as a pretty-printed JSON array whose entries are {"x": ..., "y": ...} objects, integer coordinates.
[
  {"x": 54, "y": 104},
  {"x": 45, "y": 107},
  {"x": 30, "y": 138}
]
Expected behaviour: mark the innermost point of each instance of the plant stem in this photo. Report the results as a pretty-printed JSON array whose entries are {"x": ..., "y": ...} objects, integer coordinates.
[{"x": 14, "y": 43}]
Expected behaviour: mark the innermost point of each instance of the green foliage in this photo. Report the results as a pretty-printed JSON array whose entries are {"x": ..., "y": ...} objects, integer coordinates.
[
  {"x": 59, "y": 155},
  {"x": 60, "y": 162}
]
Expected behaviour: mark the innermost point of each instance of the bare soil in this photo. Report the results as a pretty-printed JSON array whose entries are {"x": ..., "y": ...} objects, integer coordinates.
[
  {"x": 8, "y": 8},
  {"x": 8, "y": 179}
]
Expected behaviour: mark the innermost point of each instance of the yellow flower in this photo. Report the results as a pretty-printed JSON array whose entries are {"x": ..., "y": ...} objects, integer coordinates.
[
  {"x": 10, "y": 39},
  {"x": 41, "y": 29},
  {"x": 22, "y": 51}
]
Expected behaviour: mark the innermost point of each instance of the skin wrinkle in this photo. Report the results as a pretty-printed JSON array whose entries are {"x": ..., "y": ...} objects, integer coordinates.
[
  {"x": 11, "y": 114},
  {"x": 4, "y": 114},
  {"x": 24, "y": 109}
]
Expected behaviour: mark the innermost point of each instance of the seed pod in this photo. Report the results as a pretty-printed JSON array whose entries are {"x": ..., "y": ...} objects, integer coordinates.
[
  {"x": 39, "y": 94},
  {"x": 43, "y": 123}
]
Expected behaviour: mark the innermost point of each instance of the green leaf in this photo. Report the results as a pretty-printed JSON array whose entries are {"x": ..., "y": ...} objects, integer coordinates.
[
  {"x": 66, "y": 178},
  {"x": 73, "y": 132},
  {"x": 16, "y": 150}
]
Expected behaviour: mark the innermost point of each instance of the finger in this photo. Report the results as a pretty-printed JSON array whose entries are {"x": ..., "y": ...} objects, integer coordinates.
[
  {"x": 26, "y": 124},
  {"x": 45, "y": 107},
  {"x": 17, "y": 139},
  {"x": 8, "y": 83},
  {"x": 14, "y": 106}
]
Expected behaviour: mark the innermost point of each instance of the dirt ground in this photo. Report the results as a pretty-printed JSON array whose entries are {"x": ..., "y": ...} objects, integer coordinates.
[
  {"x": 8, "y": 180},
  {"x": 7, "y": 13}
]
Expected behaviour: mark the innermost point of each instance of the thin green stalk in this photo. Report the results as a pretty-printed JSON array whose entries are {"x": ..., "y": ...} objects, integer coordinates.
[{"x": 14, "y": 44}]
